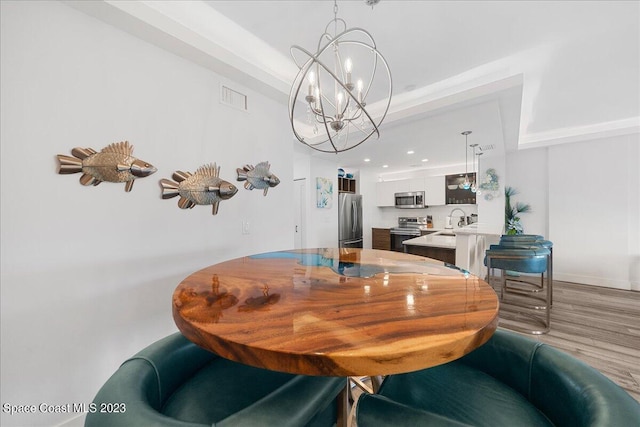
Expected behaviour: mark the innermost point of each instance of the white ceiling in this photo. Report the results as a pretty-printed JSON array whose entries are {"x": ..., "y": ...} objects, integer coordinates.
[{"x": 518, "y": 74}]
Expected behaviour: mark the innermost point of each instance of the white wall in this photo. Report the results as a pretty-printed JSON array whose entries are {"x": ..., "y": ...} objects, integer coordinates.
[
  {"x": 585, "y": 198},
  {"x": 528, "y": 174},
  {"x": 594, "y": 192},
  {"x": 322, "y": 223},
  {"x": 87, "y": 273},
  {"x": 321, "y": 229},
  {"x": 491, "y": 203}
]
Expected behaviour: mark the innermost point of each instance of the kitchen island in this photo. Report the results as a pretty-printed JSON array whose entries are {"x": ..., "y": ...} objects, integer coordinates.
[
  {"x": 463, "y": 247},
  {"x": 440, "y": 245},
  {"x": 471, "y": 244}
]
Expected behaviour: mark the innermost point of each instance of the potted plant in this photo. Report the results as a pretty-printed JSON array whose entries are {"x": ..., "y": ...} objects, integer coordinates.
[{"x": 511, "y": 219}]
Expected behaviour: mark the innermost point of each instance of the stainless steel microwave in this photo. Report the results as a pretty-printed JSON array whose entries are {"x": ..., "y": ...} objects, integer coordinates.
[{"x": 410, "y": 200}]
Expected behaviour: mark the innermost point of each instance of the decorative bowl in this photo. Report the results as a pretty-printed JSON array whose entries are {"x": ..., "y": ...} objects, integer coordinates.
[
  {"x": 340, "y": 172},
  {"x": 452, "y": 186},
  {"x": 349, "y": 175}
]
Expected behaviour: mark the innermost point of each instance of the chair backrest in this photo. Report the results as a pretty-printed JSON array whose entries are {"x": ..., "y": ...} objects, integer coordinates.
[
  {"x": 172, "y": 360},
  {"x": 566, "y": 390},
  {"x": 508, "y": 358},
  {"x": 146, "y": 380},
  {"x": 571, "y": 392}
]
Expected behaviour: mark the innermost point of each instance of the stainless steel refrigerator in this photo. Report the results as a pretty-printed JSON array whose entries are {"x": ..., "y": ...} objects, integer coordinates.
[{"x": 349, "y": 220}]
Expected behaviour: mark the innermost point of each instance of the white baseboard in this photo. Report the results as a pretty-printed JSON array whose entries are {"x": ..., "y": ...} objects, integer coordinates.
[{"x": 593, "y": 281}]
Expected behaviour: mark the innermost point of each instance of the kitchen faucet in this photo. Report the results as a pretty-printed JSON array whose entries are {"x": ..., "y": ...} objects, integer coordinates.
[{"x": 460, "y": 223}]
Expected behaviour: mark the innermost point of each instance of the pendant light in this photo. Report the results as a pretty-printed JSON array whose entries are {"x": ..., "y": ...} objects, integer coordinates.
[
  {"x": 474, "y": 187},
  {"x": 466, "y": 184}
]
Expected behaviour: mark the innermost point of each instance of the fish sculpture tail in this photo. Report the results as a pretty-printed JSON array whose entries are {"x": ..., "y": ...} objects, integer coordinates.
[
  {"x": 68, "y": 164},
  {"x": 169, "y": 188},
  {"x": 242, "y": 174}
]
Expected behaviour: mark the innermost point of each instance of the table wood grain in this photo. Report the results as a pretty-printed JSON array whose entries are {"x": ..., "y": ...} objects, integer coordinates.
[{"x": 336, "y": 312}]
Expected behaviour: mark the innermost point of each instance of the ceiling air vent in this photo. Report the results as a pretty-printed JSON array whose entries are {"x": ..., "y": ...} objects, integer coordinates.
[
  {"x": 486, "y": 147},
  {"x": 233, "y": 98}
]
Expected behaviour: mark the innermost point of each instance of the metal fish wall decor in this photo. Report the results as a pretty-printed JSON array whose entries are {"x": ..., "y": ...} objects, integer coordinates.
[
  {"x": 115, "y": 163},
  {"x": 259, "y": 177},
  {"x": 204, "y": 187}
]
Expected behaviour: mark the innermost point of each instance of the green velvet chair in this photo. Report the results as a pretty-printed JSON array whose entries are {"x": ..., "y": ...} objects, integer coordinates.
[
  {"x": 509, "y": 381},
  {"x": 175, "y": 383}
]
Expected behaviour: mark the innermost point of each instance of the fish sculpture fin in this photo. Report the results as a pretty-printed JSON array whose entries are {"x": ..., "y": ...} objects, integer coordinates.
[
  {"x": 214, "y": 207},
  {"x": 249, "y": 167},
  {"x": 265, "y": 191},
  {"x": 129, "y": 185},
  {"x": 242, "y": 174},
  {"x": 68, "y": 164},
  {"x": 122, "y": 147},
  {"x": 83, "y": 153},
  {"x": 181, "y": 176},
  {"x": 185, "y": 203},
  {"x": 169, "y": 188},
  {"x": 248, "y": 185},
  {"x": 87, "y": 179},
  {"x": 209, "y": 170},
  {"x": 96, "y": 182},
  {"x": 265, "y": 164}
]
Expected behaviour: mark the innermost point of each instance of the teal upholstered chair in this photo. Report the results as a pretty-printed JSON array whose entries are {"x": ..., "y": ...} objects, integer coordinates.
[
  {"x": 529, "y": 240},
  {"x": 522, "y": 259},
  {"x": 175, "y": 383},
  {"x": 509, "y": 381}
]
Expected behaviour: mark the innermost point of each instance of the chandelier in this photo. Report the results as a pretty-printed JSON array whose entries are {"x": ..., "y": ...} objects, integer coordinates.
[{"x": 329, "y": 94}]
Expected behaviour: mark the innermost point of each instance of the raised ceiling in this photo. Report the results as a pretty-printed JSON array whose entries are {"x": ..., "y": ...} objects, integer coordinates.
[{"x": 519, "y": 74}]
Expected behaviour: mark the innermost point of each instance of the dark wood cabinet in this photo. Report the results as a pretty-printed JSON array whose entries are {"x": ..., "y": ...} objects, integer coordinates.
[
  {"x": 346, "y": 185},
  {"x": 441, "y": 254},
  {"x": 454, "y": 194},
  {"x": 381, "y": 238}
]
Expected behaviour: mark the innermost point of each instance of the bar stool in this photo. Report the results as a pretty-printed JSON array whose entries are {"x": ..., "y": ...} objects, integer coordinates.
[
  {"x": 529, "y": 260},
  {"x": 529, "y": 240}
]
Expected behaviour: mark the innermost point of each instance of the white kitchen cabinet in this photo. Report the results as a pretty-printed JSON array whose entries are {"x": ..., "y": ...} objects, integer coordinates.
[
  {"x": 434, "y": 191},
  {"x": 385, "y": 192},
  {"x": 413, "y": 184}
]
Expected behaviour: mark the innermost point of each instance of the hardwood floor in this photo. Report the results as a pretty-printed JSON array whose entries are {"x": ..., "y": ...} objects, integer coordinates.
[{"x": 600, "y": 326}]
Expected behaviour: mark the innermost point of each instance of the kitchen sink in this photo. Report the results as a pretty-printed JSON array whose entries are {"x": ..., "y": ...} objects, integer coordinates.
[{"x": 444, "y": 233}]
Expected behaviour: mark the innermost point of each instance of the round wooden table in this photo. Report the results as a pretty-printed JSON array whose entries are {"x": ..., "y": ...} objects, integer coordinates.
[{"x": 336, "y": 312}]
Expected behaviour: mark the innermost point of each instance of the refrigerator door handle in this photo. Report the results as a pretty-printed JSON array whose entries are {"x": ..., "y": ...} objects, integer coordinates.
[{"x": 354, "y": 212}]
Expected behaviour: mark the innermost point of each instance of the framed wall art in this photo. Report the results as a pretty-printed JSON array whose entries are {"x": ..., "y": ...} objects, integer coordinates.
[{"x": 324, "y": 193}]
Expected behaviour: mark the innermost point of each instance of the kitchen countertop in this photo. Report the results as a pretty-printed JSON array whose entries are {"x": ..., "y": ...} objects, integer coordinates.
[
  {"x": 430, "y": 230},
  {"x": 434, "y": 240},
  {"x": 479, "y": 229},
  {"x": 446, "y": 238}
]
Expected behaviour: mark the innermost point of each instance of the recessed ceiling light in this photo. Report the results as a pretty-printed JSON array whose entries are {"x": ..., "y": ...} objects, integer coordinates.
[
  {"x": 367, "y": 160},
  {"x": 425, "y": 160},
  {"x": 410, "y": 152},
  {"x": 385, "y": 166}
]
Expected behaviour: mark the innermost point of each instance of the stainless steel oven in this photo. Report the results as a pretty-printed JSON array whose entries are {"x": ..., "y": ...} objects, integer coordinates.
[
  {"x": 399, "y": 235},
  {"x": 408, "y": 228}
]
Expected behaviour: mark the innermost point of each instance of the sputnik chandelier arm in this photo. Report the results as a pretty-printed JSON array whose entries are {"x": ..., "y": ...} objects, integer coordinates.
[{"x": 342, "y": 114}]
